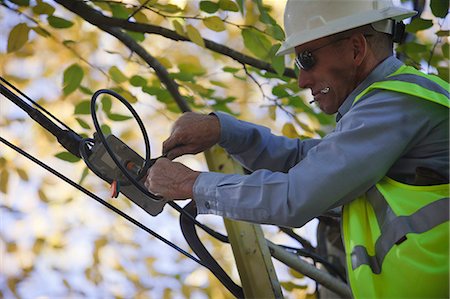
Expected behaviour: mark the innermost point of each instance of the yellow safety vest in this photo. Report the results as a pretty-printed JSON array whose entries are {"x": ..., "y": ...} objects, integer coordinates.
[{"x": 396, "y": 236}]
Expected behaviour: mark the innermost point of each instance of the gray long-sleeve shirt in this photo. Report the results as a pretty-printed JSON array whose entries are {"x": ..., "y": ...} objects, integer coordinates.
[{"x": 293, "y": 181}]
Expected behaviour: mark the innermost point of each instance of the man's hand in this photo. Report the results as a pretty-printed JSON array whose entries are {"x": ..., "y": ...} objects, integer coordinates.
[
  {"x": 170, "y": 180},
  {"x": 192, "y": 133}
]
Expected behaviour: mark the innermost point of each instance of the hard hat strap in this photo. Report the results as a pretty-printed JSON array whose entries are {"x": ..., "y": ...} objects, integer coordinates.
[{"x": 392, "y": 27}]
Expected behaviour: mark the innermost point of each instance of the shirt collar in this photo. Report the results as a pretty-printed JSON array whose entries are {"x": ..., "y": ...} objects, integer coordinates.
[{"x": 388, "y": 66}]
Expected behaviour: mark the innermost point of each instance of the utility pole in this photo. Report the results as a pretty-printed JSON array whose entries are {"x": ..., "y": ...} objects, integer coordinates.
[{"x": 252, "y": 255}]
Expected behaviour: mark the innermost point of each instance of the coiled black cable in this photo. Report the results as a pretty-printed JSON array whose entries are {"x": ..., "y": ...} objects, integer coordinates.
[
  {"x": 148, "y": 161},
  {"x": 204, "y": 255}
]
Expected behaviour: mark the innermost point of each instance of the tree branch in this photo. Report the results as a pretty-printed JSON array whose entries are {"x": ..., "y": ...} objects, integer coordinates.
[
  {"x": 97, "y": 18},
  {"x": 160, "y": 70}
]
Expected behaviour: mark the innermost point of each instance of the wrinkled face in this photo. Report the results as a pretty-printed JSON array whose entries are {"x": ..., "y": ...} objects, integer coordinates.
[{"x": 327, "y": 68}]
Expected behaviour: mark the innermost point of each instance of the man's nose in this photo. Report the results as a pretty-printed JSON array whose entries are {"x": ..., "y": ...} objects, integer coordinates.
[{"x": 304, "y": 79}]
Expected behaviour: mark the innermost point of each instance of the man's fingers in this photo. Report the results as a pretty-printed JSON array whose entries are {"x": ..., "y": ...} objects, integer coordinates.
[
  {"x": 170, "y": 143},
  {"x": 176, "y": 152}
]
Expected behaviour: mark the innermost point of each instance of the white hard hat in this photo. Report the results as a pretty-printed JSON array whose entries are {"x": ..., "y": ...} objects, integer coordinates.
[{"x": 307, "y": 20}]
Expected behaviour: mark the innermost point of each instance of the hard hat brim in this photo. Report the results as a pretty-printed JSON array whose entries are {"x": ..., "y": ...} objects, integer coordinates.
[{"x": 343, "y": 24}]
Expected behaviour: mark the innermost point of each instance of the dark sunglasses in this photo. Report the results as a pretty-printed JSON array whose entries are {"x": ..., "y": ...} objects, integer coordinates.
[{"x": 305, "y": 60}]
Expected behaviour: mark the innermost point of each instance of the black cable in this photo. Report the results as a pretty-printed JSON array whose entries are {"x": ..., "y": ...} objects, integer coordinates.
[
  {"x": 101, "y": 201},
  {"x": 317, "y": 259},
  {"x": 69, "y": 139},
  {"x": 148, "y": 161},
  {"x": 101, "y": 136},
  {"x": 37, "y": 105},
  {"x": 191, "y": 236}
]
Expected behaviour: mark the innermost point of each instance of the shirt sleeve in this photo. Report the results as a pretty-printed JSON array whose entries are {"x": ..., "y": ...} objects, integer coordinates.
[
  {"x": 367, "y": 141},
  {"x": 256, "y": 148}
]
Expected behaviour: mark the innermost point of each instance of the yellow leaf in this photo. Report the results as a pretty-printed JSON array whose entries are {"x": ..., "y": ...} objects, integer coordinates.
[
  {"x": 273, "y": 112},
  {"x": 140, "y": 17},
  {"x": 22, "y": 174},
  {"x": 43, "y": 196},
  {"x": 195, "y": 36},
  {"x": 4, "y": 178},
  {"x": 214, "y": 23},
  {"x": 289, "y": 131},
  {"x": 18, "y": 37},
  {"x": 178, "y": 27}
]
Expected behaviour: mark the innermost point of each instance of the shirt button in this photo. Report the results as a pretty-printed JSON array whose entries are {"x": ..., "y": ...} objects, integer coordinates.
[{"x": 207, "y": 205}]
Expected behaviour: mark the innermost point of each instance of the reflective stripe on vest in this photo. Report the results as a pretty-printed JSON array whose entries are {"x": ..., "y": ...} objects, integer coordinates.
[
  {"x": 395, "y": 228},
  {"x": 427, "y": 87}
]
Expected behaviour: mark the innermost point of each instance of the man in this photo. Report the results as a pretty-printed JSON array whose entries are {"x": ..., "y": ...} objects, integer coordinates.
[{"x": 387, "y": 161}]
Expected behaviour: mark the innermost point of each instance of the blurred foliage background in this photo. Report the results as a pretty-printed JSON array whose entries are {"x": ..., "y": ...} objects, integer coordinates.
[{"x": 55, "y": 241}]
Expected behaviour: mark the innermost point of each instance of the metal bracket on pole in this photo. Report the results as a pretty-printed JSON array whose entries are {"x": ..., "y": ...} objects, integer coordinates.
[{"x": 252, "y": 255}]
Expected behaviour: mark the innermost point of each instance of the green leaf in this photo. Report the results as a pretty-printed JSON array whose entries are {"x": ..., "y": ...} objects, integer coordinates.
[
  {"x": 41, "y": 31},
  {"x": 106, "y": 103},
  {"x": 126, "y": 94},
  {"x": 446, "y": 51},
  {"x": 117, "y": 75},
  {"x": 72, "y": 78},
  {"x": 83, "y": 175},
  {"x": 209, "y": 6},
  {"x": 264, "y": 15},
  {"x": 290, "y": 286},
  {"x": 418, "y": 24},
  {"x": 140, "y": 17},
  {"x": 296, "y": 274},
  {"x": 414, "y": 48},
  {"x": 195, "y": 36},
  {"x": 66, "y": 156},
  {"x": 83, "y": 107},
  {"x": 137, "y": 80},
  {"x": 170, "y": 8},
  {"x": 241, "y": 6},
  {"x": 228, "y": 5},
  {"x": 82, "y": 123},
  {"x": 182, "y": 76},
  {"x": 193, "y": 68},
  {"x": 443, "y": 73},
  {"x": 85, "y": 90},
  {"x": 59, "y": 23},
  {"x": 231, "y": 69},
  {"x": 137, "y": 36},
  {"x": 105, "y": 129},
  {"x": 69, "y": 42},
  {"x": 277, "y": 61},
  {"x": 280, "y": 91},
  {"x": 178, "y": 27},
  {"x": 21, "y": 2},
  {"x": 119, "y": 11},
  {"x": 204, "y": 92},
  {"x": 43, "y": 8},
  {"x": 18, "y": 37},
  {"x": 276, "y": 32},
  {"x": 118, "y": 117},
  {"x": 214, "y": 23},
  {"x": 439, "y": 8},
  {"x": 257, "y": 43},
  {"x": 443, "y": 33},
  {"x": 162, "y": 95},
  {"x": 218, "y": 83}
]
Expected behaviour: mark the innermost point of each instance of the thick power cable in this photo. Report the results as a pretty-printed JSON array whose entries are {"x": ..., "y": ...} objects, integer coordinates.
[
  {"x": 37, "y": 105},
  {"x": 101, "y": 201},
  {"x": 213, "y": 267}
]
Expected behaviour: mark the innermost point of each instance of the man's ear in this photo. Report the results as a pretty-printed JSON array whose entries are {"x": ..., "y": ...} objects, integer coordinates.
[{"x": 359, "y": 48}]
